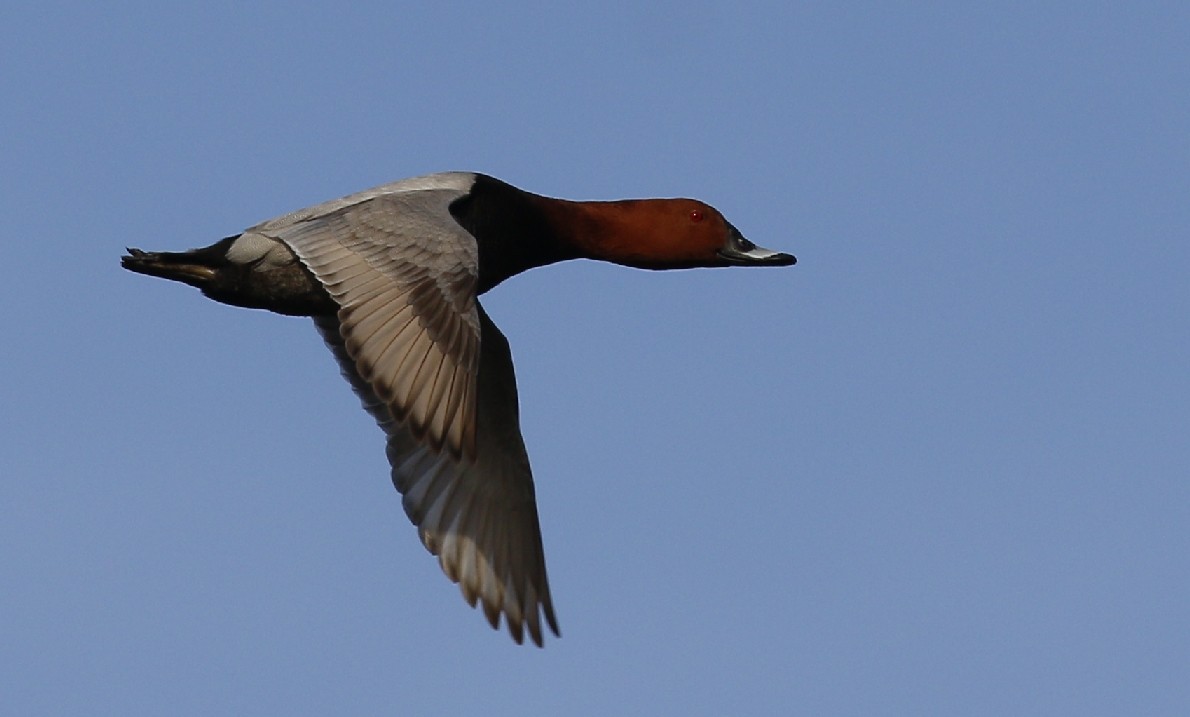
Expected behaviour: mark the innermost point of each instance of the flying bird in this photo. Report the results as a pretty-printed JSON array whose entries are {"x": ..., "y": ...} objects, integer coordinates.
[{"x": 391, "y": 277}]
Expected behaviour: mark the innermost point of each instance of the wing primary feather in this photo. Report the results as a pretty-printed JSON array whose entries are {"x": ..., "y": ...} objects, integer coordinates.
[{"x": 437, "y": 375}]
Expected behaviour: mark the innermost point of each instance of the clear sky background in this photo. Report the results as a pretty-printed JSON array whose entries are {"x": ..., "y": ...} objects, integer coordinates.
[{"x": 941, "y": 466}]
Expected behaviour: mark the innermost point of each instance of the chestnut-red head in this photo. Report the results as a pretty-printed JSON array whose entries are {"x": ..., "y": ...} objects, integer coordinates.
[{"x": 665, "y": 234}]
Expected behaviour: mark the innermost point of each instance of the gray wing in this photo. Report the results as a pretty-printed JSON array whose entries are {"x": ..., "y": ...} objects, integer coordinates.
[
  {"x": 404, "y": 276},
  {"x": 437, "y": 375},
  {"x": 479, "y": 518}
]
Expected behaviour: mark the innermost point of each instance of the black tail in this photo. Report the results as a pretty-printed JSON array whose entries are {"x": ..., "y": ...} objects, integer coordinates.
[
  {"x": 199, "y": 267},
  {"x": 287, "y": 288}
]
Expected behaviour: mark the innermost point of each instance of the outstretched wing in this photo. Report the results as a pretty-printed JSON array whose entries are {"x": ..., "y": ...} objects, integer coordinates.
[
  {"x": 479, "y": 517},
  {"x": 437, "y": 375},
  {"x": 404, "y": 275}
]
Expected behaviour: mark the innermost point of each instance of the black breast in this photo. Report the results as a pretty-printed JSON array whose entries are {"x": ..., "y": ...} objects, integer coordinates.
[{"x": 512, "y": 232}]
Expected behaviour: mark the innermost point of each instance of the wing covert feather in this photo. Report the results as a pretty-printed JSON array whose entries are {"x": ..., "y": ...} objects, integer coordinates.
[
  {"x": 404, "y": 275},
  {"x": 437, "y": 375}
]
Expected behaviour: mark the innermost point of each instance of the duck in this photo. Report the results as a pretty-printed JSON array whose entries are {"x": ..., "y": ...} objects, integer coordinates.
[{"x": 391, "y": 277}]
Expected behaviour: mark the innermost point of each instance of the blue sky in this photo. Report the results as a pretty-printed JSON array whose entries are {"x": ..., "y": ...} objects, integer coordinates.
[{"x": 938, "y": 467}]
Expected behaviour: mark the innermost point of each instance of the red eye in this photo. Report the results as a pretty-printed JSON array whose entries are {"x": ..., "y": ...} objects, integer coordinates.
[{"x": 696, "y": 215}]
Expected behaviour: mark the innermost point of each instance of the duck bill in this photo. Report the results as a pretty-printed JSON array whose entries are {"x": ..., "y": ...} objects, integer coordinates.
[{"x": 741, "y": 252}]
